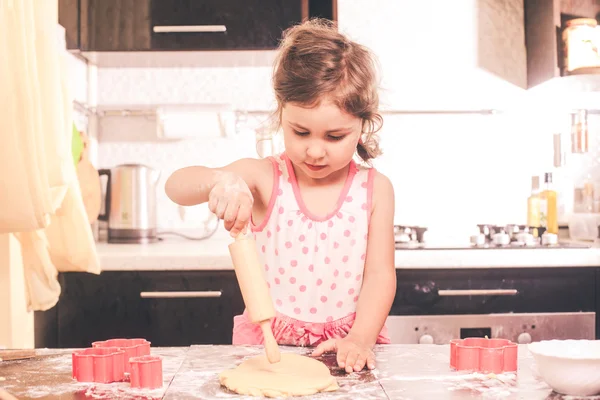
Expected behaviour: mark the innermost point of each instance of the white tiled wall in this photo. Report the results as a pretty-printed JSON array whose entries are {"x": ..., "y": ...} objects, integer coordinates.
[{"x": 448, "y": 170}]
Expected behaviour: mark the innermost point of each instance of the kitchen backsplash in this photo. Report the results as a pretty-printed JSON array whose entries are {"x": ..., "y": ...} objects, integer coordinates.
[{"x": 450, "y": 172}]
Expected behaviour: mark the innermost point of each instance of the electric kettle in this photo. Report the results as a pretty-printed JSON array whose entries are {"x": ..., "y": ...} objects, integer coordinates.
[{"x": 130, "y": 203}]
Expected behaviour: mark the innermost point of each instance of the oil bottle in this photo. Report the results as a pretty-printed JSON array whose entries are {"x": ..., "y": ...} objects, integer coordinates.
[
  {"x": 533, "y": 203},
  {"x": 548, "y": 205}
]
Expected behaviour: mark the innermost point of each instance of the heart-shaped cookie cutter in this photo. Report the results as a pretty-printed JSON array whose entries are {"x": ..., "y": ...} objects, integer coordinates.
[
  {"x": 101, "y": 365},
  {"x": 146, "y": 372},
  {"x": 483, "y": 355},
  {"x": 131, "y": 347}
]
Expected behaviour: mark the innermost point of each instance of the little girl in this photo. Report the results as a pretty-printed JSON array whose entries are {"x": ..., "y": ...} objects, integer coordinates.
[{"x": 323, "y": 224}]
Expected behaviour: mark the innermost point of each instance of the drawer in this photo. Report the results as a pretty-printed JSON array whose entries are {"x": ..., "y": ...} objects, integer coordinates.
[
  {"x": 169, "y": 308},
  {"x": 498, "y": 290}
]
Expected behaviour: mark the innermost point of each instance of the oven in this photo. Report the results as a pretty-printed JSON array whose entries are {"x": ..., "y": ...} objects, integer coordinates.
[{"x": 520, "y": 304}]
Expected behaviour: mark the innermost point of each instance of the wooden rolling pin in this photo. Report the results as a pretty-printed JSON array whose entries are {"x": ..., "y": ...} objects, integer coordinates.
[{"x": 254, "y": 290}]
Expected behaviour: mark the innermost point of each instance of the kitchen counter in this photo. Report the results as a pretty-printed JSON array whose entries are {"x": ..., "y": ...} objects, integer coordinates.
[
  {"x": 409, "y": 372},
  {"x": 213, "y": 254}
]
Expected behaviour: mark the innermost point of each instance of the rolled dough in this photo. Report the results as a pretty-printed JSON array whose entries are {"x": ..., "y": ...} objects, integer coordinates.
[{"x": 294, "y": 375}]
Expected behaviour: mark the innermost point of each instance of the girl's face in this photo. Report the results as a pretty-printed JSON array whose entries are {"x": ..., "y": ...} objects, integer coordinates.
[{"x": 319, "y": 140}]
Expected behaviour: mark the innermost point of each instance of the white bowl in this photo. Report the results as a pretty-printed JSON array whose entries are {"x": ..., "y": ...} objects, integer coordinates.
[{"x": 570, "y": 367}]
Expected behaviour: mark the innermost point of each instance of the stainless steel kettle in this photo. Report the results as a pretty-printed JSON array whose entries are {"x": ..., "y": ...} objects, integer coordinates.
[{"x": 130, "y": 203}]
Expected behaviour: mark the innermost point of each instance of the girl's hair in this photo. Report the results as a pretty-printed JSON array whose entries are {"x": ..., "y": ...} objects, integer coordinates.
[{"x": 316, "y": 61}]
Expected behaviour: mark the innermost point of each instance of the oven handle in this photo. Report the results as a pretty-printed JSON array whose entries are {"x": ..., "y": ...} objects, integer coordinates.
[
  {"x": 188, "y": 28},
  {"x": 479, "y": 292}
]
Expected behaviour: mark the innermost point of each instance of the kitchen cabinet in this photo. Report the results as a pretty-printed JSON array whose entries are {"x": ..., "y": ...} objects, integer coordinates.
[
  {"x": 544, "y": 24},
  {"x": 228, "y": 24},
  {"x": 168, "y": 308},
  {"x": 160, "y": 25},
  {"x": 68, "y": 17},
  {"x": 598, "y": 303}
]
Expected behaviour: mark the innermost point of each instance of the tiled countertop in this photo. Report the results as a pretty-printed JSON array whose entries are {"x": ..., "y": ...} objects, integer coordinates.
[{"x": 213, "y": 254}]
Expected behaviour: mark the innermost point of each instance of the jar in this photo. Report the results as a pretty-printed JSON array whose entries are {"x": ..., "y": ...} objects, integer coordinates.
[
  {"x": 581, "y": 44},
  {"x": 579, "y": 132}
]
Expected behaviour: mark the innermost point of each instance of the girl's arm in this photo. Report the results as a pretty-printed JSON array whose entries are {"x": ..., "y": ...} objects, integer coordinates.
[
  {"x": 379, "y": 282},
  {"x": 378, "y": 288},
  {"x": 231, "y": 191}
]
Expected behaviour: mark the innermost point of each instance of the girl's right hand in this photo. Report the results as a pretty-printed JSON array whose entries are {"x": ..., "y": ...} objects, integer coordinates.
[{"x": 231, "y": 200}]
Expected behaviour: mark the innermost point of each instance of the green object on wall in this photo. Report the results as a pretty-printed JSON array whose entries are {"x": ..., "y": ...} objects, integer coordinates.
[{"x": 76, "y": 145}]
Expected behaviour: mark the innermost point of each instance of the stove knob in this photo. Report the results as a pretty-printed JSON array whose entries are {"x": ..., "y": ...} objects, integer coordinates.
[
  {"x": 478, "y": 240},
  {"x": 549, "y": 239},
  {"x": 524, "y": 338},
  {"x": 426, "y": 339},
  {"x": 501, "y": 239}
]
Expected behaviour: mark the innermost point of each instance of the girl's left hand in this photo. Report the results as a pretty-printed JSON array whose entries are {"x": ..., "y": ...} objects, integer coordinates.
[{"x": 352, "y": 354}]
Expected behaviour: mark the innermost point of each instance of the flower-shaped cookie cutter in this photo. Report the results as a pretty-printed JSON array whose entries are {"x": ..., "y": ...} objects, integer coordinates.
[
  {"x": 483, "y": 355},
  {"x": 101, "y": 365},
  {"x": 146, "y": 372},
  {"x": 131, "y": 347}
]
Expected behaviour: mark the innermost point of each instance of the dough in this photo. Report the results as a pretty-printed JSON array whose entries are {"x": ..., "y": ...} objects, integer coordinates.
[{"x": 294, "y": 375}]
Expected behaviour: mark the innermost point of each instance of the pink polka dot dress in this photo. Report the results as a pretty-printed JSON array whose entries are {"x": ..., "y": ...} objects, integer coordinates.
[{"x": 313, "y": 265}]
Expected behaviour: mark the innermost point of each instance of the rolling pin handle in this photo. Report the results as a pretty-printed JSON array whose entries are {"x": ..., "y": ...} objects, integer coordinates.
[{"x": 271, "y": 346}]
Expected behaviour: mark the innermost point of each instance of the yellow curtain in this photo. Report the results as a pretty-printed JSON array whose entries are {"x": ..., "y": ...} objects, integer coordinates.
[{"x": 40, "y": 198}]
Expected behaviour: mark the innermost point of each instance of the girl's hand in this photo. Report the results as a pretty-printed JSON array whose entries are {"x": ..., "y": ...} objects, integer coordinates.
[
  {"x": 352, "y": 353},
  {"x": 231, "y": 200}
]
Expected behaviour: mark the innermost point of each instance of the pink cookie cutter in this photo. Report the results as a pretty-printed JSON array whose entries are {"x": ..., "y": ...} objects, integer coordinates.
[
  {"x": 131, "y": 347},
  {"x": 483, "y": 355},
  {"x": 146, "y": 372},
  {"x": 102, "y": 365}
]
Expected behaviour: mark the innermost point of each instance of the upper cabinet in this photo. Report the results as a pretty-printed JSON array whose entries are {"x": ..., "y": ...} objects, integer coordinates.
[
  {"x": 163, "y": 25},
  {"x": 545, "y": 24},
  {"x": 221, "y": 24}
]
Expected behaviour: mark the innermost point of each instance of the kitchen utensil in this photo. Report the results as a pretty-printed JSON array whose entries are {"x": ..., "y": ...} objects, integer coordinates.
[
  {"x": 100, "y": 364},
  {"x": 131, "y": 347},
  {"x": 16, "y": 354},
  {"x": 255, "y": 291},
  {"x": 4, "y": 395},
  {"x": 130, "y": 203},
  {"x": 570, "y": 367},
  {"x": 146, "y": 372},
  {"x": 89, "y": 182},
  {"x": 583, "y": 226},
  {"x": 483, "y": 355}
]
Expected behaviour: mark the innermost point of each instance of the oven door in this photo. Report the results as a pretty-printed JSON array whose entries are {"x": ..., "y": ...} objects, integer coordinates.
[
  {"x": 519, "y": 328},
  {"x": 520, "y": 304}
]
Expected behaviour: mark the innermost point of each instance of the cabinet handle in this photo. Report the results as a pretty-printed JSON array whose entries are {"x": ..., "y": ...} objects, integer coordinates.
[
  {"x": 482, "y": 292},
  {"x": 180, "y": 295},
  {"x": 188, "y": 28}
]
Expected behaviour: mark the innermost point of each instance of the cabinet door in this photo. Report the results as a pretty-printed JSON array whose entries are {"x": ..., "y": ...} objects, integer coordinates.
[
  {"x": 598, "y": 304},
  {"x": 168, "y": 308},
  {"x": 68, "y": 17},
  {"x": 221, "y": 24},
  {"x": 115, "y": 25}
]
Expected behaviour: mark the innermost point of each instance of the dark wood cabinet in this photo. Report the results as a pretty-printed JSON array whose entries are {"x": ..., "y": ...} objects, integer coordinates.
[
  {"x": 598, "y": 303},
  {"x": 221, "y": 24},
  {"x": 115, "y": 25},
  {"x": 159, "y": 25},
  {"x": 543, "y": 35},
  {"x": 168, "y": 308},
  {"x": 68, "y": 17}
]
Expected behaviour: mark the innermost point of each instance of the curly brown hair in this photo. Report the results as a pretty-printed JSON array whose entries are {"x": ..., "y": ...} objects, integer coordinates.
[{"x": 315, "y": 61}]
